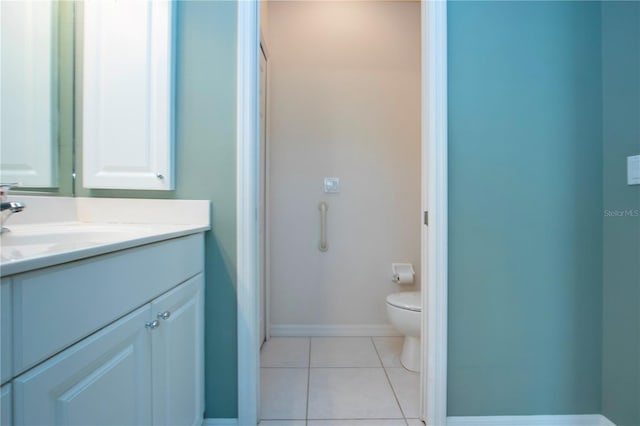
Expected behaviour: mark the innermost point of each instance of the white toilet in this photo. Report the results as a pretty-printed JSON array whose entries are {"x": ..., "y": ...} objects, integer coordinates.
[{"x": 404, "y": 310}]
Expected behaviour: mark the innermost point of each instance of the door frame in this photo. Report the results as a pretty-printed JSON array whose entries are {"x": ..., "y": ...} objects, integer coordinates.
[
  {"x": 433, "y": 389},
  {"x": 264, "y": 214},
  {"x": 434, "y": 200}
]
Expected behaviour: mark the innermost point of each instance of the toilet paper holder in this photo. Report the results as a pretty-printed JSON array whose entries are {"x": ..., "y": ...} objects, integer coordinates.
[{"x": 403, "y": 273}]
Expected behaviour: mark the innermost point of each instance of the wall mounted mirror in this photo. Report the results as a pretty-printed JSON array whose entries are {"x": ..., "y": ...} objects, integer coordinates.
[{"x": 36, "y": 93}]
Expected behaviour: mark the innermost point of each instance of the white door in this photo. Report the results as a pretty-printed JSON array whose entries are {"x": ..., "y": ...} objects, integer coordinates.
[
  {"x": 177, "y": 355},
  {"x": 104, "y": 379},
  {"x": 263, "y": 198}
]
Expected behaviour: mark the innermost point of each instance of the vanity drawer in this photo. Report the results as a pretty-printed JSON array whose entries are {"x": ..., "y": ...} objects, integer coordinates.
[{"x": 55, "y": 307}]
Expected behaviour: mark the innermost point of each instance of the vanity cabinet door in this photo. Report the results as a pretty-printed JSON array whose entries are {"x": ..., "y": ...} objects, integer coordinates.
[
  {"x": 5, "y": 405},
  {"x": 177, "y": 355},
  {"x": 104, "y": 379},
  {"x": 6, "y": 344}
]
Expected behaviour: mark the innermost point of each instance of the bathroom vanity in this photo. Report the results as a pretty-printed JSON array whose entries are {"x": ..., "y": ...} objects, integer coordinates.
[
  {"x": 101, "y": 301},
  {"x": 102, "y": 317}
]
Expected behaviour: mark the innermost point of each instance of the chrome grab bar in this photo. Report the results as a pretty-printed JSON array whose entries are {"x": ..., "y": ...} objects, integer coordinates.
[{"x": 323, "y": 207}]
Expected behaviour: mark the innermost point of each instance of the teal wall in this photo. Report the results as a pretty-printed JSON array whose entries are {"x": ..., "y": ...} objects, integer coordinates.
[
  {"x": 525, "y": 208},
  {"x": 621, "y": 278},
  {"x": 205, "y": 169}
]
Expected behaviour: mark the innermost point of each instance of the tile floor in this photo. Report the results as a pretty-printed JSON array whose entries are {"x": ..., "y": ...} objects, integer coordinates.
[{"x": 337, "y": 381}]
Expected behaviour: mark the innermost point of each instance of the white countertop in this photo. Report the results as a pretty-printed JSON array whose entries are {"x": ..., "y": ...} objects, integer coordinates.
[{"x": 86, "y": 227}]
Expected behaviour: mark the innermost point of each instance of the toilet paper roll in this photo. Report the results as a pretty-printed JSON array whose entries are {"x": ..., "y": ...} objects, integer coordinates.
[{"x": 404, "y": 277}]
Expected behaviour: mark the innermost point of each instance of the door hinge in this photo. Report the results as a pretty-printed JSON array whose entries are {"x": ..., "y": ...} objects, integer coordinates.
[{"x": 426, "y": 218}]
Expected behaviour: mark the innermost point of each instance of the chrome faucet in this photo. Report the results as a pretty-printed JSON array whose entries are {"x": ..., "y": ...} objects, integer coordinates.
[{"x": 7, "y": 208}]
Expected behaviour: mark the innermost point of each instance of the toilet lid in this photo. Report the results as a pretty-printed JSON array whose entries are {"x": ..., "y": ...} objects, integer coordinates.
[{"x": 409, "y": 300}]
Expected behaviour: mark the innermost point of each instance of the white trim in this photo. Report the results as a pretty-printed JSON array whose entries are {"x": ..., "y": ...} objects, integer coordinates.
[
  {"x": 267, "y": 205},
  {"x": 262, "y": 205},
  {"x": 220, "y": 422},
  {"x": 565, "y": 420},
  {"x": 246, "y": 212},
  {"x": 561, "y": 420},
  {"x": 434, "y": 200},
  {"x": 303, "y": 330},
  {"x": 267, "y": 217}
]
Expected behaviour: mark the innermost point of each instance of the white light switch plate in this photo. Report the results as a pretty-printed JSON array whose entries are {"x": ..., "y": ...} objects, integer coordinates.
[
  {"x": 331, "y": 185},
  {"x": 633, "y": 170}
]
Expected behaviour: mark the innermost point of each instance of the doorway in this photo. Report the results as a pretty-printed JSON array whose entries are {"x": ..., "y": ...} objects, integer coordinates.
[
  {"x": 344, "y": 144},
  {"x": 433, "y": 195}
]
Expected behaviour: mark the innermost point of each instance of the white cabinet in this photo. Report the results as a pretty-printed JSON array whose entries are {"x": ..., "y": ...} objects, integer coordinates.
[
  {"x": 5, "y": 405},
  {"x": 97, "y": 290},
  {"x": 127, "y": 94},
  {"x": 144, "y": 369},
  {"x": 102, "y": 380},
  {"x": 177, "y": 355},
  {"x": 134, "y": 358}
]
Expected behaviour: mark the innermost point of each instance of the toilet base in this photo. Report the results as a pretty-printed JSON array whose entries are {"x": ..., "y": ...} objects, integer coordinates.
[{"x": 410, "y": 357}]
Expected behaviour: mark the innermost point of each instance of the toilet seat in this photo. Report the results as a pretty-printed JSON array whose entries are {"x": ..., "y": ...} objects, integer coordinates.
[{"x": 409, "y": 300}]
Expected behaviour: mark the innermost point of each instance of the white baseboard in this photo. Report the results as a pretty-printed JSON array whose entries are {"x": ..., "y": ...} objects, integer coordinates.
[
  {"x": 301, "y": 330},
  {"x": 220, "y": 422},
  {"x": 563, "y": 420}
]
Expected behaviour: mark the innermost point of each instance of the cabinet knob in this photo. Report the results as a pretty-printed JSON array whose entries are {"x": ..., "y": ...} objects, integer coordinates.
[
  {"x": 164, "y": 315},
  {"x": 152, "y": 324}
]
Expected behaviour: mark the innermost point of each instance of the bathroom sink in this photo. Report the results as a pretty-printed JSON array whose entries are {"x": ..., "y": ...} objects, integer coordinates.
[
  {"x": 59, "y": 242},
  {"x": 69, "y": 234},
  {"x": 27, "y": 241},
  {"x": 55, "y": 230}
]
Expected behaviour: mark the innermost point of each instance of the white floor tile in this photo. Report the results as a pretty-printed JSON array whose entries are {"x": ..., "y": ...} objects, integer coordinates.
[
  {"x": 282, "y": 423},
  {"x": 368, "y": 422},
  {"x": 351, "y": 393},
  {"x": 406, "y": 385},
  {"x": 343, "y": 352},
  {"x": 285, "y": 352},
  {"x": 415, "y": 422},
  {"x": 283, "y": 393},
  {"x": 389, "y": 349}
]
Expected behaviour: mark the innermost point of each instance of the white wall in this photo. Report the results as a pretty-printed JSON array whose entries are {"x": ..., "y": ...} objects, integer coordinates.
[{"x": 344, "y": 102}]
